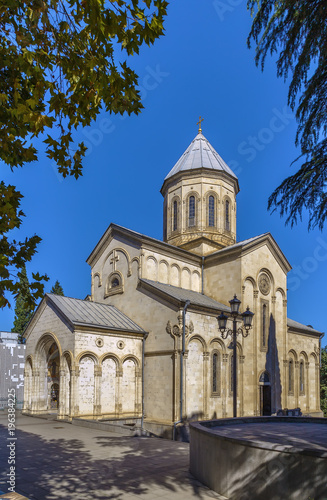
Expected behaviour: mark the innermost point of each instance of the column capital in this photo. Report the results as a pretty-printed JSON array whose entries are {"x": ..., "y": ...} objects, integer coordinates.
[{"x": 97, "y": 370}]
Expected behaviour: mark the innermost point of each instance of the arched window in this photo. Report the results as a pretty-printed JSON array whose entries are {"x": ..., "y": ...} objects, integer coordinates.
[
  {"x": 216, "y": 373},
  {"x": 302, "y": 388},
  {"x": 227, "y": 216},
  {"x": 191, "y": 211},
  {"x": 264, "y": 378},
  {"x": 115, "y": 282},
  {"x": 175, "y": 215},
  {"x": 211, "y": 211},
  {"x": 264, "y": 325},
  {"x": 290, "y": 376}
]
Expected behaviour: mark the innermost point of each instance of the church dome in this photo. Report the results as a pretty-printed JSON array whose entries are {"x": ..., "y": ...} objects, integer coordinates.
[
  {"x": 200, "y": 154},
  {"x": 200, "y": 200}
]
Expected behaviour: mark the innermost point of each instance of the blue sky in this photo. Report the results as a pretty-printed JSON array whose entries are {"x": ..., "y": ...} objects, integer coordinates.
[{"x": 202, "y": 66}]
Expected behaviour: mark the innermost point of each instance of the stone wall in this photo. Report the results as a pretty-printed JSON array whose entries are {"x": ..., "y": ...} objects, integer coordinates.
[{"x": 12, "y": 362}]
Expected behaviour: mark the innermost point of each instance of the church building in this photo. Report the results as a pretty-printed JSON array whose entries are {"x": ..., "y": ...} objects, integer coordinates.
[{"x": 118, "y": 355}]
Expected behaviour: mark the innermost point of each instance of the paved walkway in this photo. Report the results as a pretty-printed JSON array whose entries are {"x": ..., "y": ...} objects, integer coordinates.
[{"x": 57, "y": 460}]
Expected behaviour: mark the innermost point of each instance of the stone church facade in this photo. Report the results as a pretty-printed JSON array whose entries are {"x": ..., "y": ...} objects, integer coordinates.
[{"x": 119, "y": 354}]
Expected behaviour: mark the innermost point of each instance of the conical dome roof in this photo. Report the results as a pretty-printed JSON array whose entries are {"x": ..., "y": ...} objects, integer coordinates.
[{"x": 200, "y": 154}]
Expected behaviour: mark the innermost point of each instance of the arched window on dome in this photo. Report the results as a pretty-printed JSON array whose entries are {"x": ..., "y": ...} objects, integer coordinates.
[
  {"x": 191, "y": 211},
  {"x": 175, "y": 216},
  {"x": 227, "y": 215},
  {"x": 211, "y": 211}
]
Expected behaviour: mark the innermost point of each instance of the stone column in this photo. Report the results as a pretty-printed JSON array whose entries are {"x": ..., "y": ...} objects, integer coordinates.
[
  {"x": 74, "y": 385},
  {"x": 285, "y": 351},
  {"x": 35, "y": 399},
  {"x": 256, "y": 347},
  {"x": 184, "y": 384},
  {"x": 273, "y": 386},
  {"x": 307, "y": 387},
  {"x": 97, "y": 391},
  {"x": 285, "y": 383},
  {"x": 317, "y": 385},
  {"x": 138, "y": 392},
  {"x": 62, "y": 394},
  {"x": 296, "y": 383},
  {"x": 118, "y": 403},
  {"x": 206, "y": 375},
  {"x": 142, "y": 274}
]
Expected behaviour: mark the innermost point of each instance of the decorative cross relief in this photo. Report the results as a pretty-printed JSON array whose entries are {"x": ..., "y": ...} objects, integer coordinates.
[
  {"x": 114, "y": 259},
  {"x": 177, "y": 330}
]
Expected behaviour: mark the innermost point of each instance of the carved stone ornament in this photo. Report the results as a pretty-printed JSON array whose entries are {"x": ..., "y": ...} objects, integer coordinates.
[
  {"x": 99, "y": 342},
  {"x": 177, "y": 330},
  {"x": 264, "y": 283}
]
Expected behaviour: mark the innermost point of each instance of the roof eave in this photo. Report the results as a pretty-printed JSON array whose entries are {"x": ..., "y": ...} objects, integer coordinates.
[
  {"x": 247, "y": 247},
  {"x": 178, "y": 302},
  {"x": 139, "y": 238},
  {"x": 196, "y": 172},
  {"x": 314, "y": 333},
  {"x": 91, "y": 326}
]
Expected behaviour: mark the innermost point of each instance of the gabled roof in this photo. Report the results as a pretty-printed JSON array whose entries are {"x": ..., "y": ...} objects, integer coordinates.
[
  {"x": 140, "y": 239},
  {"x": 248, "y": 245},
  {"x": 200, "y": 154},
  {"x": 295, "y": 325},
  {"x": 182, "y": 295},
  {"x": 92, "y": 314}
]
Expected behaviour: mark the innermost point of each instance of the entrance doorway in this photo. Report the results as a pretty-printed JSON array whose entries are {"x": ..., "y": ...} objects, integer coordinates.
[
  {"x": 54, "y": 399},
  {"x": 265, "y": 394}
]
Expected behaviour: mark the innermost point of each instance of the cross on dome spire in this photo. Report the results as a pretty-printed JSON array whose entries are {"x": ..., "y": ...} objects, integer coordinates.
[{"x": 199, "y": 123}]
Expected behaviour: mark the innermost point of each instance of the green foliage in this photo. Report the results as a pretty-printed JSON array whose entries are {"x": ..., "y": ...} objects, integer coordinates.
[
  {"x": 296, "y": 31},
  {"x": 57, "y": 289},
  {"x": 14, "y": 254},
  {"x": 23, "y": 308},
  {"x": 323, "y": 380},
  {"x": 58, "y": 71}
]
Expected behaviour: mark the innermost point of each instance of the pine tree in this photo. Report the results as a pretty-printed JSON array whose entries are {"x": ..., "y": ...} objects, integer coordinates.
[
  {"x": 296, "y": 32},
  {"x": 23, "y": 310},
  {"x": 57, "y": 289}
]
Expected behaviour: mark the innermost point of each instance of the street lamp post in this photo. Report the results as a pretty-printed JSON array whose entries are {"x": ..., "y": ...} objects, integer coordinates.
[{"x": 247, "y": 317}]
